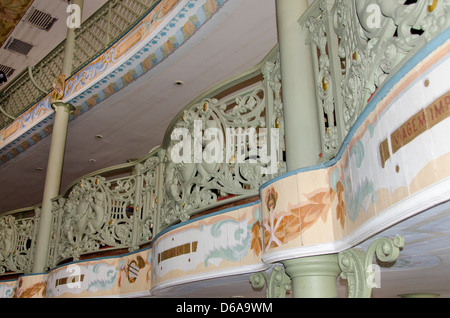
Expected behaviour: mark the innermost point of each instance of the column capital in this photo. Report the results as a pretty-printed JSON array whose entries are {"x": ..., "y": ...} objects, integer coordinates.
[{"x": 68, "y": 107}]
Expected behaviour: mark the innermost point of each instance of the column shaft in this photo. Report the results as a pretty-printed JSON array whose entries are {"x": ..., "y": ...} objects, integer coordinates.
[
  {"x": 52, "y": 184},
  {"x": 56, "y": 159},
  {"x": 314, "y": 276},
  {"x": 302, "y": 131}
]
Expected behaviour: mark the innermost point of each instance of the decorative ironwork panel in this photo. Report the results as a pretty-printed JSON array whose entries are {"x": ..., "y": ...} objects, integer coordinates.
[
  {"x": 17, "y": 239},
  {"x": 97, "y": 214},
  {"x": 225, "y": 147},
  {"x": 356, "y": 46}
]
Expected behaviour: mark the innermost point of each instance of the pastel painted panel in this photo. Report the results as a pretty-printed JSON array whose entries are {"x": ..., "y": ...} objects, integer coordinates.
[
  {"x": 314, "y": 207},
  {"x": 8, "y": 289},
  {"x": 223, "y": 242},
  {"x": 129, "y": 274},
  {"x": 31, "y": 286}
]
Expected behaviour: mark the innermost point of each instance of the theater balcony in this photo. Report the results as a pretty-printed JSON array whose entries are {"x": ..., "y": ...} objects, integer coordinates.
[{"x": 226, "y": 148}]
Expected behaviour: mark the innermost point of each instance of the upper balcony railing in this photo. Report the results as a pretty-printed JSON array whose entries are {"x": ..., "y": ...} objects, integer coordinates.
[{"x": 96, "y": 34}]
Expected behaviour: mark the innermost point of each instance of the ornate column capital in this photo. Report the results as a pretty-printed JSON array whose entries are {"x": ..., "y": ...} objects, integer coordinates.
[
  {"x": 277, "y": 282},
  {"x": 357, "y": 267},
  {"x": 67, "y": 107}
]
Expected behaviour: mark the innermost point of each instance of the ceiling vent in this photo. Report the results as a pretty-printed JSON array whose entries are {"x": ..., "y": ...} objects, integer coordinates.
[
  {"x": 8, "y": 71},
  {"x": 40, "y": 19},
  {"x": 18, "y": 46}
]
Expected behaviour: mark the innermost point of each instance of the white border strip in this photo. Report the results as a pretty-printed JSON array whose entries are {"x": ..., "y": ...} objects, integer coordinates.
[{"x": 239, "y": 270}]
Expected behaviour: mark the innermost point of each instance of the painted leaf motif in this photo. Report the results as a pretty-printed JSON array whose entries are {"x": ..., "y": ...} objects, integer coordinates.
[
  {"x": 318, "y": 198},
  {"x": 310, "y": 213},
  {"x": 285, "y": 228},
  {"x": 290, "y": 224},
  {"x": 341, "y": 209},
  {"x": 317, "y": 207},
  {"x": 256, "y": 243}
]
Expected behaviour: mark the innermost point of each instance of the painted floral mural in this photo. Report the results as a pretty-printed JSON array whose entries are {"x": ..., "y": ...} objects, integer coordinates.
[
  {"x": 288, "y": 219},
  {"x": 280, "y": 227}
]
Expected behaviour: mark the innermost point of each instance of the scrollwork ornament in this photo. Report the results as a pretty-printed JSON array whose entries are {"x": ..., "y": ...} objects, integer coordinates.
[
  {"x": 357, "y": 267},
  {"x": 375, "y": 38},
  {"x": 16, "y": 237},
  {"x": 351, "y": 262},
  {"x": 278, "y": 282},
  {"x": 216, "y": 151}
]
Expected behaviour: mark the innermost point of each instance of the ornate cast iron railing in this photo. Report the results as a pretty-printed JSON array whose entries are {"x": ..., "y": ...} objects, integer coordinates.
[
  {"x": 95, "y": 35},
  {"x": 248, "y": 122},
  {"x": 356, "y": 46},
  {"x": 101, "y": 212},
  {"x": 18, "y": 231},
  {"x": 125, "y": 206}
]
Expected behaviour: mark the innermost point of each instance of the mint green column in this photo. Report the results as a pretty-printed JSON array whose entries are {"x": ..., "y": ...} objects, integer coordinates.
[
  {"x": 313, "y": 276},
  {"x": 55, "y": 159},
  {"x": 302, "y": 131}
]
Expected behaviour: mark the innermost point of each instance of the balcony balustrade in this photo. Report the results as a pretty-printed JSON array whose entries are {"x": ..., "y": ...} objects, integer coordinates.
[
  {"x": 357, "y": 46},
  {"x": 123, "y": 207}
]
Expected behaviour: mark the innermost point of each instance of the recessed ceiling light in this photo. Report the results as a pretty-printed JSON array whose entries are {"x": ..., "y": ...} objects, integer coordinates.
[
  {"x": 179, "y": 83},
  {"x": 98, "y": 137},
  {"x": 92, "y": 160},
  {"x": 39, "y": 169}
]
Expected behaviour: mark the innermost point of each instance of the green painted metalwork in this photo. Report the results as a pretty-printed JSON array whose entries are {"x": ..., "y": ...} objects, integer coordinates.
[
  {"x": 357, "y": 265},
  {"x": 277, "y": 282},
  {"x": 196, "y": 185},
  {"x": 155, "y": 192},
  {"x": 18, "y": 230},
  {"x": 357, "y": 45}
]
